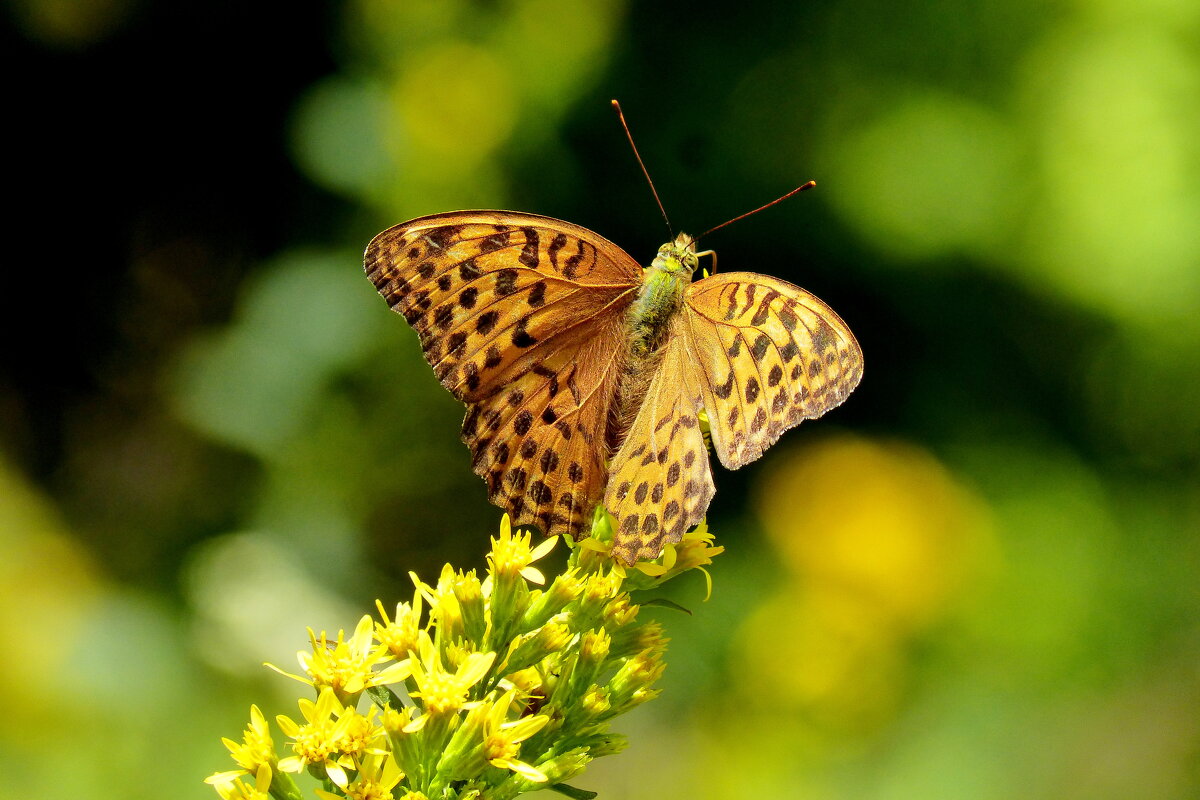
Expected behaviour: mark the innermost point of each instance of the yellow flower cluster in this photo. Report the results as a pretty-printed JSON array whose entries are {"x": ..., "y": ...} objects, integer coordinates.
[{"x": 476, "y": 690}]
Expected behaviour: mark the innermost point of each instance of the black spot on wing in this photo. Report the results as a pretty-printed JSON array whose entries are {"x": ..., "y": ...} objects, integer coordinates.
[
  {"x": 537, "y": 295},
  {"x": 759, "y": 349},
  {"x": 522, "y": 337},
  {"x": 529, "y": 253},
  {"x": 468, "y": 271},
  {"x": 557, "y": 243},
  {"x": 486, "y": 321},
  {"x": 506, "y": 282},
  {"x": 441, "y": 238},
  {"x": 764, "y": 308}
]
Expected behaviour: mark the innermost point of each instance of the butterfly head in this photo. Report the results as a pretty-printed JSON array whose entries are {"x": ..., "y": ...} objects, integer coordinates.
[{"x": 677, "y": 257}]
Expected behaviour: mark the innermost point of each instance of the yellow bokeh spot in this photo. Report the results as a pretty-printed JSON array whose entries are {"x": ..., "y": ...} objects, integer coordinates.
[
  {"x": 823, "y": 654},
  {"x": 556, "y": 46},
  {"x": 880, "y": 541},
  {"x": 456, "y": 101},
  {"x": 48, "y": 591},
  {"x": 883, "y": 521}
]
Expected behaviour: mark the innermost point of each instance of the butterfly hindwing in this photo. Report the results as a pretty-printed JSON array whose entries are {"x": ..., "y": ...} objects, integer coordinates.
[
  {"x": 539, "y": 441},
  {"x": 660, "y": 480},
  {"x": 772, "y": 355},
  {"x": 521, "y": 317}
]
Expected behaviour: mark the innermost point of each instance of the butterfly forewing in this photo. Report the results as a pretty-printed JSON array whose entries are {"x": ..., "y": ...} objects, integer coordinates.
[
  {"x": 487, "y": 292},
  {"x": 521, "y": 317},
  {"x": 660, "y": 481},
  {"x": 772, "y": 355}
]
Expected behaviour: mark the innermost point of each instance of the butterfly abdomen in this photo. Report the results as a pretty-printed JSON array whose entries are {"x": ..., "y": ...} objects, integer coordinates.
[
  {"x": 648, "y": 321},
  {"x": 657, "y": 302}
]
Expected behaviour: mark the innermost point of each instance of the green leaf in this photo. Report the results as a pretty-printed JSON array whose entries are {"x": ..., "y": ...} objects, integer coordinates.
[
  {"x": 384, "y": 697},
  {"x": 665, "y": 603},
  {"x": 572, "y": 792}
]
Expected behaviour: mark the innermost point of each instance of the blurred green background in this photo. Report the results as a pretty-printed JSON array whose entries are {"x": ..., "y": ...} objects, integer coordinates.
[{"x": 977, "y": 579}]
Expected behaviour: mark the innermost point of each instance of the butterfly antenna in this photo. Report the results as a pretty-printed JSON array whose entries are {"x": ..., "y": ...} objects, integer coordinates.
[
  {"x": 797, "y": 190},
  {"x": 642, "y": 164}
]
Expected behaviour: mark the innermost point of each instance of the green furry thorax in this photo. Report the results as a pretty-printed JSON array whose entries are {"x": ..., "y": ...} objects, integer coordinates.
[{"x": 663, "y": 284}]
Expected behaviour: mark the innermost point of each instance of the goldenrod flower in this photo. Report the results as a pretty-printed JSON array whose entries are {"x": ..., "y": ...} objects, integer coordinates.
[
  {"x": 255, "y": 751},
  {"x": 620, "y": 612},
  {"x": 694, "y": 551},
  {"x": 406, "y": 748},
  {"x": 501, "y": 739},
  {"x": 445, "y": 611},
  {"x": 629, "y": 687},
  {"x": 595, "y": 554},
  {"x": 395, "y": 720},
  {"x": 401, "y": 636},
  {"x": 599, "y": 589},
  {"x": 377, "y": 776},
  {"x": 346, "y": 666},
  {"x": 512, "y": 556},
  {"x": 545, "y": 604},
  {"x": 506, "y": 688},
  {"x": 323, "y": 741},
  {"x": 637, "y": 638},
  {"x": 443, "y": 692},
  {"x": 361, "y": 735},
  {"x": 563, "y": 767},
  {"x": 595, "y": 702},
  {"x": 528, "y": 682},
  {"x": 536, "y": 645},
  {"x": 235, "y": 789},
  {"x": 606, "y": 744},
  {"x": 459, "y": 605},
  {"x": 594, "y": 645}
]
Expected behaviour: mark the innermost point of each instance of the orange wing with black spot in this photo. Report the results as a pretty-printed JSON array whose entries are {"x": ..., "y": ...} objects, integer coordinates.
[
  {"x": 661, "y": 482},
  {"x": 772, "y": 355},
  {"x": 522, "y": 318}
]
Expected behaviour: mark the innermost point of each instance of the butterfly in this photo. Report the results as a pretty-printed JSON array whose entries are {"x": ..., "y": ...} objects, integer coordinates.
[{"x": 585, "y": 376}]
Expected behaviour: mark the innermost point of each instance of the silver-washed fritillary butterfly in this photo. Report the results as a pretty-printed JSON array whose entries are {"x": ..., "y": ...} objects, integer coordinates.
[{"x": 584, "y": 374}]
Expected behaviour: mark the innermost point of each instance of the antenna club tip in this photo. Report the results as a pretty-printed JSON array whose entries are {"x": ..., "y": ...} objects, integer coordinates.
[
  {"x": 615, "y": 104},
  {"x": 809, "y": 185}
]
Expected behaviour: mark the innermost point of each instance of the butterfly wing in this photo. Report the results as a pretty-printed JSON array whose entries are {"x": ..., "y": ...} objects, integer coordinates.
[
  {"x": 521, "y": 317},
  {"x": 661, "y": 482},
  {"x": 771, "y": 355}
]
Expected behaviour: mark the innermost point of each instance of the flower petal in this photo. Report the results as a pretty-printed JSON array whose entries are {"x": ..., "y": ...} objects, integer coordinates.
[
  {"x": 521, "y": 768},
  {"x": 543, "y": 548},
  {"x": 533, "y": 575},
  {"x": 224, "y": 777},
  {"x": 337, "y": 774}
]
